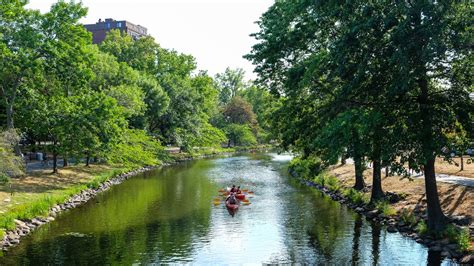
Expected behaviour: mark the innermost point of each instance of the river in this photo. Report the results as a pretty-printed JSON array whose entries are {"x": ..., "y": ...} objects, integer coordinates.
[{"x": 168, "y": 216}]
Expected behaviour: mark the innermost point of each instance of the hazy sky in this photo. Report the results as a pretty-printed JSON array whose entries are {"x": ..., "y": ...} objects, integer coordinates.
[{"x": 215, "y": 32}]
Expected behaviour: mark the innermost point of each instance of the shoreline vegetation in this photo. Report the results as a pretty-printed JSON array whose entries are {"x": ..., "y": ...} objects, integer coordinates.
[
  {"x": 22, "y": 211},
  {"x": 403, "y": 209}
]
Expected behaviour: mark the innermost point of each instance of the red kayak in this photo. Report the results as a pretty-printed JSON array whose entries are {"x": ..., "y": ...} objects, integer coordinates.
[
  {"x": 240, "y": 196},
  {"x": 230, "y": 206}
]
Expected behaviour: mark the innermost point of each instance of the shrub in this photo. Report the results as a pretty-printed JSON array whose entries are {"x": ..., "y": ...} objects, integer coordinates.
[
  {"x": 356, "y": 197},
  {"x": 4, "y": 179},
  {"x": 385, "y": 208},
  {"x": 308, "y": 167},
  {"x": 463, "y": 241},
  {"x": 422, "y": 228},
  {"x": 458, "y": 236},
  {"x": 408, "y": 217}
]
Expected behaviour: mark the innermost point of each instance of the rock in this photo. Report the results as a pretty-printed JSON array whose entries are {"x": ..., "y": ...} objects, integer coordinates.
[
  {"x": 12, "y": 236},
  {"x": 419, "y": 240},
  {"x": 436, "y": 248},
  {"x": 446, "y": 253},
  {"x": 50, "y": 219},
  {"x": 36, "y": 222},
  {"x": 15, "y": 241},
  {"x": 20, "y": 223},
  {"x": 392, "y": 229},
  {"x": 371, "y": 214},
  {"x": 452, "y": 246},
  {"x": 461, "y": 220},
  {"x": 7, "y": 200},
  {"x": 468, "y": 259},
  {"x": 359, "y": 209},
  {"x": 401, "y": 223},
  {"x": 444, "y": 242}
]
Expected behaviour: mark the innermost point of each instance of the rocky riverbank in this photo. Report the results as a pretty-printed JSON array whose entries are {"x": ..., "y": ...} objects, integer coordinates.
[
  {"x": 396, "y": 224},
  {"x": 23, "y": 228}
]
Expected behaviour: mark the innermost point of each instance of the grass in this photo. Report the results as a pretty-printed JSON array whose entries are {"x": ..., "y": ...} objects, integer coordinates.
[
  {"x": 460, "y": 236},
  {"x": 328, "y": 181},
  {"x": 31, "y": 204}
]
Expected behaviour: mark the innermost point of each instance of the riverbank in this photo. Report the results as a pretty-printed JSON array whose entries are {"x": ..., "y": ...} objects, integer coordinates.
[
  {"x": 404, "y": 211},
  {"x": 37, "y": 198}
]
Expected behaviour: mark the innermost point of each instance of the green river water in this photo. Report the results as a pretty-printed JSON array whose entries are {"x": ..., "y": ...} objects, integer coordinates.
[{"x": 168, "y": 216}]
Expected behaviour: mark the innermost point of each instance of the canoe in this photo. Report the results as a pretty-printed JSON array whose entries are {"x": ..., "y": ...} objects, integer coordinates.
[{"x": 232, "y": 207}]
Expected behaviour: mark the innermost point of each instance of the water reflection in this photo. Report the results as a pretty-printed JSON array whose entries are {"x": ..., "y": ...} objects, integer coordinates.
[{"x": 167, "y": 216}]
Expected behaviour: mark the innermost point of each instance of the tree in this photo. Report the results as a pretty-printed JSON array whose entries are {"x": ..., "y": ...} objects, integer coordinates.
[
  {"x": 239, "y": 111},
  {"x": 398, "y": 63},
  {"x": 11, "y": 165},
  {"x": 229, "y": 84}
]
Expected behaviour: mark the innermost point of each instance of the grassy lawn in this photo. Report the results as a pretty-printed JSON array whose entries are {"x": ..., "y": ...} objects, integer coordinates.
[{"x": 33, "y": 195}]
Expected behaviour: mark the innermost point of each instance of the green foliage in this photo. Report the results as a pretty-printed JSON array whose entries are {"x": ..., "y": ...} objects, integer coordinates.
[
  {"x": 463, "y": 240},
  {"x": 240, "y": 135},
  {"x": 136, "y": 148},
  {"x": 385, "y": 208},
  {"x": 460, "y": 236},
  {"x": 229, "y": 84},
  {"x": 408, "y": 217},
  {"x": 306, "y": 167},
  {"x": 422, "y": 228},
  {"x": 328, "y": 181},
  {"x": 355, "y": 196},
  {"x": 11, "y": 165},
  {"x": 373, "y": 80}
]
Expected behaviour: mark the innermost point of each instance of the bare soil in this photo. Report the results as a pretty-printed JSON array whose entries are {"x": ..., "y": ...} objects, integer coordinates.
[{"x": 455, "y": 199}]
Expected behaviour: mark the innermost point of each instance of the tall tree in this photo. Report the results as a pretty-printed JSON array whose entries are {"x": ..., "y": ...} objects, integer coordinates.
[{"x": 229, "y": 83}]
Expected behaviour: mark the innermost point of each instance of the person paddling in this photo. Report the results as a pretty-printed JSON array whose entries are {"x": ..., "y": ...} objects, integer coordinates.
[{"x": 233, "y": 189}]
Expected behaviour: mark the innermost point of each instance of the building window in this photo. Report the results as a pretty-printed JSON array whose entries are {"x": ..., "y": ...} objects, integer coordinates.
[
  {"x": 119, "y": 24},
  {"x": 108, "y": 25}
]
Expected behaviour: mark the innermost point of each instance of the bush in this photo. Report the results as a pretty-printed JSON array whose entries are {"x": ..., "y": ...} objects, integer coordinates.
[
  {"x": 408, "y": 217},
  {"x": 458, "y": 236},
  {"x": 422, "y": 228},
  {"x": 355, "y": 196},
  {"x": 240, "y": 135},
  {"x": 385, "y": 208},
  {"x": 4, "y": 179},
  {"x": 308, "y": 167}
]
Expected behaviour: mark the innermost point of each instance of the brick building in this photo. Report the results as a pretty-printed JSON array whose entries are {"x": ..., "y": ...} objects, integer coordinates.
[{"x": 100, "y": 29}]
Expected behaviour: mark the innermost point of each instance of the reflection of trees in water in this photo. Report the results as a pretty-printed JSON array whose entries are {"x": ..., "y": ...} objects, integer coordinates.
[
  {"x": 356, "y": 239},
  {"x": 376, "y": 229},
  {"x": 142, "y": 220},
  {"x": 324, "y": 222}
]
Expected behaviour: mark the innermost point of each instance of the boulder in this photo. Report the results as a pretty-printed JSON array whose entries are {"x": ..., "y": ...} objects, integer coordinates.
[
  {"x": 371, "y": 214},
  {"x": 436, "y": 248},
  {"x": 461, "y": 220},
  {"x": 468, "y": 259},
  {"x": 392, "y": 229}
]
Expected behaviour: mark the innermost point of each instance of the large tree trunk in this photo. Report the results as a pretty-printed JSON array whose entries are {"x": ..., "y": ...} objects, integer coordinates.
[
  {"x": 436, "y": 219},
  {"x": 65, "y": 161},
  {"x": 462, "y": 162},
  {"x": 377, "y": 192},
  {"x": 358, "y": 162},
  {"x": 10, "y": 123},
  {"x": 55, "y": 163},
  {"x": 88, "y": 158},
  {"x": 359, "y": 172}
]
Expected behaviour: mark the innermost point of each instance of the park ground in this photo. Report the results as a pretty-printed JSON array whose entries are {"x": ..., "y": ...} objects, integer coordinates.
[{"x": 455, "y": 199}]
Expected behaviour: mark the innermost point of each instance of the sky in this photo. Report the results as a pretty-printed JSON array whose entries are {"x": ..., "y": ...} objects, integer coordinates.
[{"x": 215, "y": 32}]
